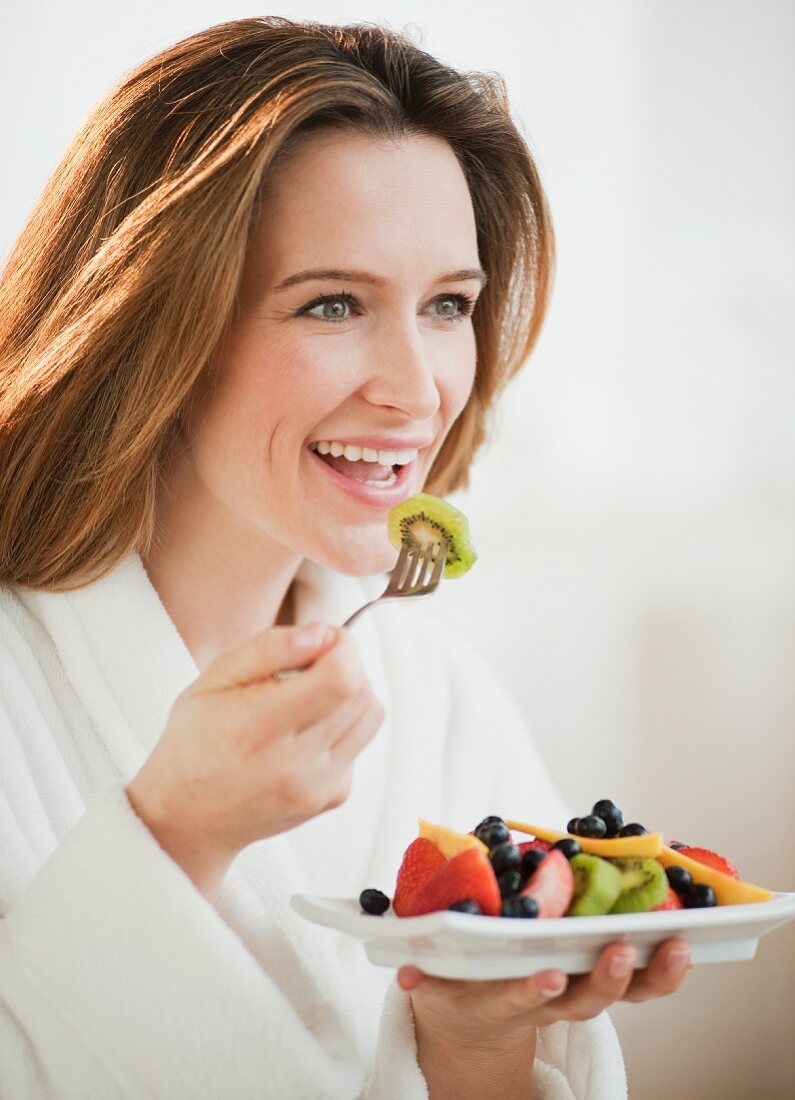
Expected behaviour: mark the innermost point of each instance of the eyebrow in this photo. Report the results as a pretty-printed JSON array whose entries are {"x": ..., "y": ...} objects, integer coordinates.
[{"x": 376, "y": 280}]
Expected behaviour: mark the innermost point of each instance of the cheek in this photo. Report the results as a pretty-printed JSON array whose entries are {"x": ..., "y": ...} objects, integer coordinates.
[
  {"x": 228, "y": 453},
  {"x": 455, "y": 386},
  {"x": 297, "y": 378},
  {"x": 231, "y": 435},
  {"x": 258, "y": 383}
]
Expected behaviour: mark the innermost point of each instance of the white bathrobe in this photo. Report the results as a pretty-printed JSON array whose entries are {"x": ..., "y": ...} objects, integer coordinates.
[{"x": 118, "y": 979}]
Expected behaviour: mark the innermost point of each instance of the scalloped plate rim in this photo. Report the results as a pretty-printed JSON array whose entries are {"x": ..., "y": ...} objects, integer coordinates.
[{"x": 344, "y": 915}]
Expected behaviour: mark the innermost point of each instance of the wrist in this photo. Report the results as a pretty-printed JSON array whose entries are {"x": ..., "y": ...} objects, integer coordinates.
[
  {"x": 450, "y": 1034},
  {"x": 469, "y": 1063},
  {"x": 203, "y": 865}
]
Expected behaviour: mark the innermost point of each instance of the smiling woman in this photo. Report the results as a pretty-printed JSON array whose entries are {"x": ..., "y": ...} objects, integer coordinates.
[
  {"x": 130, "y": 273},
  {"x": 274, "y": 287}
]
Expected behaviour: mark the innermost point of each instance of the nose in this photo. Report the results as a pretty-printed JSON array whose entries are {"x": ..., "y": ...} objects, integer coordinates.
[{"x": 401, "y": 375}]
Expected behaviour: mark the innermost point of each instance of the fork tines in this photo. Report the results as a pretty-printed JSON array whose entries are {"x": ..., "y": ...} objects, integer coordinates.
[{"x": 414, "y": 569}]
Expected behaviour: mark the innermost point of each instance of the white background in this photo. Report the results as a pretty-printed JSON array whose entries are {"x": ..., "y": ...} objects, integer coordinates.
[{"x": 635, "y": 512}]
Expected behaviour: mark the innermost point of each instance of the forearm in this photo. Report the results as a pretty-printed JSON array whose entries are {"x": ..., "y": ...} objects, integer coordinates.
[{"x": 463, "y": 1070}]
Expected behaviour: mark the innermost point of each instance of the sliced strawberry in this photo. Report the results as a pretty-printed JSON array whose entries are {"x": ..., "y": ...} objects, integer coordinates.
[
  {"x": 467, "y": 875},
  {"x": 541, "y": 845},
  {"x": 672, "y": 901},
  {"x": 552, "y": 885},
  {"x": 421, "y": 860},
  {"x": 711, "y": 859}
]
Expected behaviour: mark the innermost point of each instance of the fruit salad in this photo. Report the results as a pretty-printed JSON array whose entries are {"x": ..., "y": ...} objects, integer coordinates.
[{"x": 598, "y": 865}]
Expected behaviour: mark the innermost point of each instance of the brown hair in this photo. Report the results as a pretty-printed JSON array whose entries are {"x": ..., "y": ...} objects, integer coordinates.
[{"x": 122, "y": 281}]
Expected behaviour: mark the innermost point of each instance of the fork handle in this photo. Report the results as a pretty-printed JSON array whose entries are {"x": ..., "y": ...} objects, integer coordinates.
[
  {"x": 356, "y": 614},
  {"x": 288, "y": 673}
]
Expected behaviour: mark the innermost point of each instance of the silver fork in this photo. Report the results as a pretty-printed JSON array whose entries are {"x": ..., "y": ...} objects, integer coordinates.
[{"x": 409, "y": 577}]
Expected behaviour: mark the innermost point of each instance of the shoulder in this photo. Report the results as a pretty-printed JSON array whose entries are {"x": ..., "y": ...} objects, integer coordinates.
[
  {"x": 30, "y": 666},
  {"x": 22, "y": 633},
  {"x": 20, "y": 630}
]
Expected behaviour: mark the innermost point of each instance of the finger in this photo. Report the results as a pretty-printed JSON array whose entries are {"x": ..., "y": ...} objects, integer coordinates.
[
  {"x": 333, "y": 681},
  {"x": 338, "y": 772},
  {"x": 510, "y": 1000},
  {"x": 409, "y": 977},
  {"x": 261, "y": 656},
  {"x": 360, "y": 734},
  {"x": 338, "y": 674},
  {"x": 664, "y": 974},
  {"x": 336, "y": 764},
  {"x": 592, "y": 993},
  {"x": 326, "y": 731}
]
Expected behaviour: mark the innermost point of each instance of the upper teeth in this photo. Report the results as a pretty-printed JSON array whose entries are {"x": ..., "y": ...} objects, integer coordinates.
[{"x": 363, "y": 454}]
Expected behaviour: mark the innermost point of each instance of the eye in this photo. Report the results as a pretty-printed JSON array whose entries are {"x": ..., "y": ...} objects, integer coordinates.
[
  {"x": 465, "y": 303},
  {"x": 324, "y": 299}
]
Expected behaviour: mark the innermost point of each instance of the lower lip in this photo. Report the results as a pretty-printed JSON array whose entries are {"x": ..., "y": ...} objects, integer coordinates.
[{"x": 368, "y": 494}]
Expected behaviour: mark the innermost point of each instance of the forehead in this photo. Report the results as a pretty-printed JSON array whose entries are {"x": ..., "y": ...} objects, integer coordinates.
[{"x": 345, "y": 199}]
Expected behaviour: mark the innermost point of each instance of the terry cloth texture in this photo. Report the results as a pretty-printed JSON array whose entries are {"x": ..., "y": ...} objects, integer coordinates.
[{"x": 118, "y": 979}]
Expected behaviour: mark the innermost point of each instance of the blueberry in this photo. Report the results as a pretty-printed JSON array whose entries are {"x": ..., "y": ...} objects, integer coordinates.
[
  {"x": 610, "y": 814},
  {"x": 510, "y": 883},
  {"x": 699, "y": 896},
  {"x": 592, "y": 826},
  {"x": 505, "y": 857},
  {"x": 676, "y": 845},
  {"x": 633, "y": 829},
  {"x": 679, "y": 879},
  {"x": 531, "y": 858},
  {"x": 573, "y": 826},
  {"x": 373, "y": 902},
  {"x": 568, "y": 846},
  {"x": 494, "y": 834},
  {"x": 492, "y": 820},
  {"x": 465, "y": 906},
  {"x": 520, "y": 907}
]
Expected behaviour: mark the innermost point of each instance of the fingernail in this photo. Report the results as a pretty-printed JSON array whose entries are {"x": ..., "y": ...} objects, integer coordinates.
[
  {"x": 311, "y": 636},
  {"x": 676, "y": 961},
  {"x": 621, "y": 965},
  {"x": 552, "y": 986}
]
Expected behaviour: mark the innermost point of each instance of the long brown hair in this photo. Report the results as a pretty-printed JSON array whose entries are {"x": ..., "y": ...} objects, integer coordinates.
[{"x": 121, "y": 283}]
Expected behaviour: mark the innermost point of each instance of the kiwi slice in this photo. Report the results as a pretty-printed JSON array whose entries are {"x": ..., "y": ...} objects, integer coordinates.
[
  {"x": 597, "y": 884},
  {"x": 644, "y": 885},
  {"x": 425, "y": 519}
]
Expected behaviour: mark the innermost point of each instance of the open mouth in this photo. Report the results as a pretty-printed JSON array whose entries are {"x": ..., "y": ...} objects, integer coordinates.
[
  {"x": 377, "y": 469},
  {"x": 373, "y": 474},
  {"x": 367, "y": 473}
]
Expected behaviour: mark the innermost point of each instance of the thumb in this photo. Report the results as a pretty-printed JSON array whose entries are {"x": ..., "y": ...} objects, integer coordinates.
[
  {"x": 277, "y": 648},
  {"x": 409, "y": 977}
]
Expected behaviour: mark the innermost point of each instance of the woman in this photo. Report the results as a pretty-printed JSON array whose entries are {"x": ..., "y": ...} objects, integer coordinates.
[{"x": 272, "y": 234}]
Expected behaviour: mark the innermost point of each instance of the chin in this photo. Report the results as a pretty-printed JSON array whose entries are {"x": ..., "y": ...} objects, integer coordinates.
[{"x": 355, "y": 559}]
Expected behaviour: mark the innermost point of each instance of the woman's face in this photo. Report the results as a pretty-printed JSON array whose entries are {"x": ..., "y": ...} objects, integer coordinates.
[{"x": 383, "y": 366}]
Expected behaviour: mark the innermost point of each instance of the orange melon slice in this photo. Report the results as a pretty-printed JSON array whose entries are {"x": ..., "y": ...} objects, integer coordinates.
[
  {"x": 448, "y": 841},
  {"x": 620, "y": 847},
  {"x": 728, "y": 890}
]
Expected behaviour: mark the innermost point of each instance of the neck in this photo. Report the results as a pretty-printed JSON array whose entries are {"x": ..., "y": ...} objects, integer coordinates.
[{"x": 220, "y": 579}]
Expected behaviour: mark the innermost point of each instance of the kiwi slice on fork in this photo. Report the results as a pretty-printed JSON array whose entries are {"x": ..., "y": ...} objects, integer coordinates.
[{"x": 424, "y": 520}]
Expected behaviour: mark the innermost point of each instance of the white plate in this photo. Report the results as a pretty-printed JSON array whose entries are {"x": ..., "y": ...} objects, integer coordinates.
[{"x": 459, "y": 945}]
